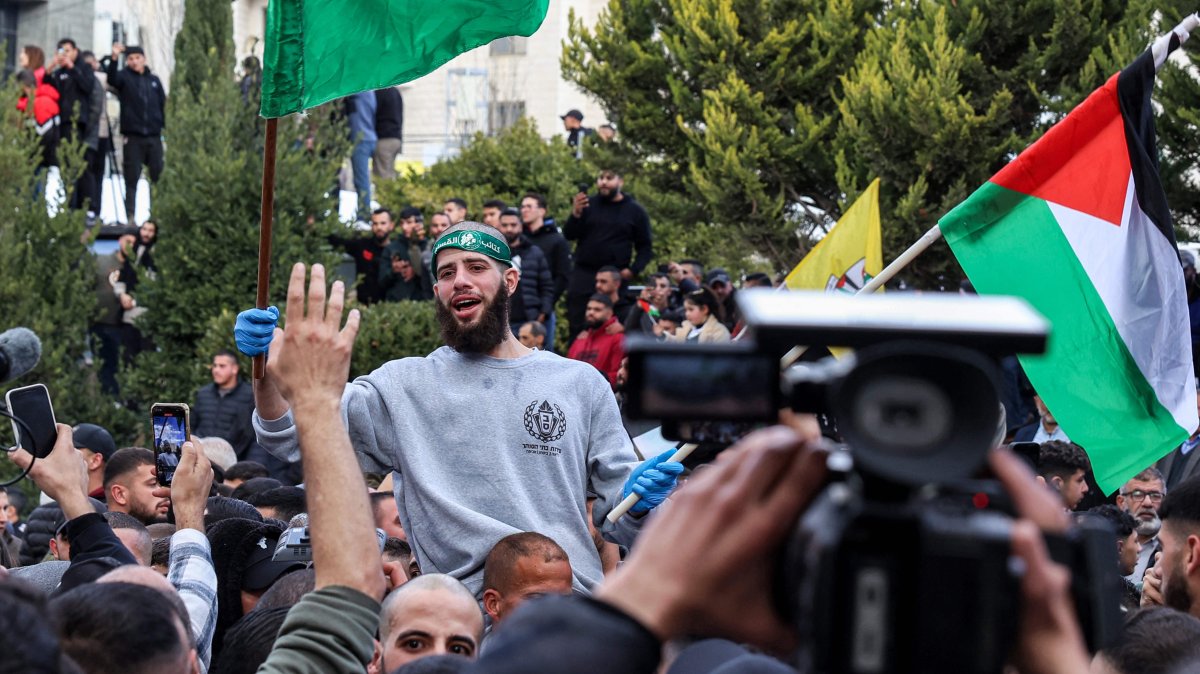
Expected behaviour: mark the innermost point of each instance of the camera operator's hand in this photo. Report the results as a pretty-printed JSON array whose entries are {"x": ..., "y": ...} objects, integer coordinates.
[
  {"x": 62, "y": 474},
  {"x": 704, "y": 565},
  {"x": 254, "y": 329},
  {"x": 311, "y": 361},
  {"x": 1152, "y": 584},
  {"x": 1049, "y": 638},
  {"x": 190, "y": 487}
]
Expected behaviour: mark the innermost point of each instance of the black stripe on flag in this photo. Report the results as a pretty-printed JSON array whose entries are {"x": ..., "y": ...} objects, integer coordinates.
[{"x": 1135, "y": 84}]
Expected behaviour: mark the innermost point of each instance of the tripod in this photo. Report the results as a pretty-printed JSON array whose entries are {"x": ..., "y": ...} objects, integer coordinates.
[{"x": 114, "y": 169}]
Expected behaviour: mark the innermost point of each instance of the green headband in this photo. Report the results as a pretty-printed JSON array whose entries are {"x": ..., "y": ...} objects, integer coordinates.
[{"x": 474, "y": 241}]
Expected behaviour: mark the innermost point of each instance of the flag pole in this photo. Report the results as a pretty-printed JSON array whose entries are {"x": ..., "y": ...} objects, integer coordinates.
[
  {"x": 927, "y": 239},
  {"x": 264, "y": 231}
]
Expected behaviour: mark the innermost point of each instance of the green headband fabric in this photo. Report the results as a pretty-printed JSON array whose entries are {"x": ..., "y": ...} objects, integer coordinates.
[{"x": 474, "y": 241}]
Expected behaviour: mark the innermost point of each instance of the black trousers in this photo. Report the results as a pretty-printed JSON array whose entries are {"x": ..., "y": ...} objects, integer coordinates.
[
  {"x": 140, "y": 151},
  {"x": 87, "y": 188}
]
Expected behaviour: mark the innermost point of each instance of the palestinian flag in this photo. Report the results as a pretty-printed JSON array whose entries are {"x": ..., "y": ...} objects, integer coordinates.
[{"x": 1078, "y": 225}]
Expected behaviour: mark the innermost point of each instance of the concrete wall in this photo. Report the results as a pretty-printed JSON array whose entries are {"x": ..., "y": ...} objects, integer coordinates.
[{"x": 45, "y": 23}]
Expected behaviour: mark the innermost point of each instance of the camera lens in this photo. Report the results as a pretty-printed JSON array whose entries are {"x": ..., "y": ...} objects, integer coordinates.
[
  {"x": 905, "y": 412},
  {"x": 917, "y": 413}
]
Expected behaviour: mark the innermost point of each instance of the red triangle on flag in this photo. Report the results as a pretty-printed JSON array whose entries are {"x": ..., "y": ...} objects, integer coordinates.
[{"x": 1082, "y": 162}]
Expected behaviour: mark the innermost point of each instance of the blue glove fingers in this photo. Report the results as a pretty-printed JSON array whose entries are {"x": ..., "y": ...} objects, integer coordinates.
[{"x": 254, "y": 329}]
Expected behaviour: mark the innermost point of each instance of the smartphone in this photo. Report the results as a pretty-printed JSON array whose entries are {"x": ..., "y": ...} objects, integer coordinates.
[
  {"x": 584, "y": 187},
  {"x": 172, "y": 427},
  {"x": 31, "y": 404}
]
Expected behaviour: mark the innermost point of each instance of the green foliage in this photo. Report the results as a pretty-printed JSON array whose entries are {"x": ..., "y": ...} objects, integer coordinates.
[
  {"x": 46, "y": 281},
  {"x": 394, "y": 330},
  {"x": 504, "y": 166},
  {"x": 756, "y": 121},
  {"x": 731, "y": 100},
  {"x": 204, "y": 46},
  {"x": 942, "y": 96},
  {"x": 207, "y": 208}
]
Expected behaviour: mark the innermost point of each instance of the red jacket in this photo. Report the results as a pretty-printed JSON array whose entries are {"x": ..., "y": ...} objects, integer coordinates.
[
  {"x": 601, "y": 349},
  {"x": 45, "y": 99}
]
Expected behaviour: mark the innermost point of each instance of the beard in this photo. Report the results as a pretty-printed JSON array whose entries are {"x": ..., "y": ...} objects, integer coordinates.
[
  {"x": 592, "y": 325},
  {"x": 486, "y": 334},
  {"x": 1175, "y": 590},
  {"x": 1148, "y": 528}
]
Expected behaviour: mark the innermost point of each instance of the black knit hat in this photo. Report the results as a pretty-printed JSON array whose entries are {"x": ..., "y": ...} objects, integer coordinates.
[{"x": 233, "y": 540}]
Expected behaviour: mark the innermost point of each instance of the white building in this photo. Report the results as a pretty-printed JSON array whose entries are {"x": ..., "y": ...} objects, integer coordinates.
[{"x": 485, "y": 89}]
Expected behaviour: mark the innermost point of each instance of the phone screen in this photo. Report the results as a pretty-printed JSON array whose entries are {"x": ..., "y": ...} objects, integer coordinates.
[
  {"x": 170, "y": 422},
  {"x": 31, "y": 404}
]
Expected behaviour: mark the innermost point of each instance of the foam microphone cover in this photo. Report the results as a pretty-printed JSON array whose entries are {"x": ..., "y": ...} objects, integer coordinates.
[{"x": 20, "y": 350}]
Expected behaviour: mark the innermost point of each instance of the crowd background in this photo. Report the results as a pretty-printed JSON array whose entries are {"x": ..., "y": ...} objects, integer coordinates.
[{"x": 724, "y": 211}]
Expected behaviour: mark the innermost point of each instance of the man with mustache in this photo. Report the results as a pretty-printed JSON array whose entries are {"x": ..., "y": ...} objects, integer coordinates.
[
  {"x": 484, "y": 436},
  {"x": 1174, "y": 580},
  {"x": 1141, "y": 497}
]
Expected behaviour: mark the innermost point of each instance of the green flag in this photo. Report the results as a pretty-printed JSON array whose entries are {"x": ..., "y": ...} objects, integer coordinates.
[{"x": 319, "y": 50}]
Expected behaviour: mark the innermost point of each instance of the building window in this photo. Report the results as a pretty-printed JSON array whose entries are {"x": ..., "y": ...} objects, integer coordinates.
[
  {"x": 503, "y": 114},
  {"x": 508, "y": 46}
]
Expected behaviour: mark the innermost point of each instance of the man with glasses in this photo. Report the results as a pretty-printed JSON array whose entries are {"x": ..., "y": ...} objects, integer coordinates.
[{"x": 1141, "y": 497}]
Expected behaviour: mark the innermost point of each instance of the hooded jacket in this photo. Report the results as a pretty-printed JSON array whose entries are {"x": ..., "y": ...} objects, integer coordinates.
[{"x": 142, "y": 97}]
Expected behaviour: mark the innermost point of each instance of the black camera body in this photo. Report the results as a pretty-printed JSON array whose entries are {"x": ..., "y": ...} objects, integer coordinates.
[{"x": 903, "y": 563}]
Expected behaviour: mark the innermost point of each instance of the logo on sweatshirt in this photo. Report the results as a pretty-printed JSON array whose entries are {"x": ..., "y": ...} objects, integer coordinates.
[{"x": 545, "y": 421}]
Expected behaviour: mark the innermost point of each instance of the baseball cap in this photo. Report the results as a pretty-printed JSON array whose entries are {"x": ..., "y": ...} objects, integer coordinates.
[
  {"x": 717, "y": 275},
  {"x": 129, "y": 51},
  {"x": 574, "y": 114},
  {"x": 261, "y": 571},
  {"x": 95, "y": 438}
]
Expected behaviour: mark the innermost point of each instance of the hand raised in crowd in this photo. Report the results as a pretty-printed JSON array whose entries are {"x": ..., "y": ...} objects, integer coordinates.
[
  {"x": 578, "y": 204},
  {"x": 62, "y": 474},
  {"x": 190, "y": 487},
  {"x": 310, "y": 363},
  {"x": 1049, "y": 639},
  {"x": 310, "y": 360},
  {"x": 117, "y": 49},
  {"x": 1152, "y": 584},
  {"x": 704, "y": 565}
]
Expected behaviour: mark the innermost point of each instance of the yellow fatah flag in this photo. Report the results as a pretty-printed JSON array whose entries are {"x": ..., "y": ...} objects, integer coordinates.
[{"x": 850, "y": 254}]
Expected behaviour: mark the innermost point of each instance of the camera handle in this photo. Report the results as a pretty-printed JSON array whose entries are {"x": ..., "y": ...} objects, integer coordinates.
[{"x": 623, "y": 507}]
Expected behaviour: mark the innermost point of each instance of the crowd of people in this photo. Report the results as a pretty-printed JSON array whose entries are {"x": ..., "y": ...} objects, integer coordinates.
[
  {"x": 65, "y": 98},
  {"x": 315, "y": 525},
  {"x": 596, "y": 266}
]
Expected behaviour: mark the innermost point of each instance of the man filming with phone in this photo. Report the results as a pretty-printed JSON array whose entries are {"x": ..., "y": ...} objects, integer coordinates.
[{"x": 554, "y": 434}]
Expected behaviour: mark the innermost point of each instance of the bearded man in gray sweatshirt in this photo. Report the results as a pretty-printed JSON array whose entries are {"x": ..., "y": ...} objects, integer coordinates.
[{"x": 484, "y": 437}]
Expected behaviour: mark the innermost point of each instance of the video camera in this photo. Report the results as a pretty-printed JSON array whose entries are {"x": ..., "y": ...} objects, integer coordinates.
[{"x": 903, "y": 562}]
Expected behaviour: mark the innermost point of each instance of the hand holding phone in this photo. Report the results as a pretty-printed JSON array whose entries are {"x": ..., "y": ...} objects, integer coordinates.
[
  {"x": 31, "y": 404},
  {"x": 172, "y": 426}
]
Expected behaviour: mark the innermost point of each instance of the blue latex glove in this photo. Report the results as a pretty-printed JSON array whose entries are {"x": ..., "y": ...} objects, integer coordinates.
[
  {"x": 254, "y": 329},
  {"x": 653, "y": 481}
]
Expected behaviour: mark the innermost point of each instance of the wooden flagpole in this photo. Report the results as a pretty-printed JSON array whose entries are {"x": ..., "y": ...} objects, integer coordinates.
[{"x": 264, "y": 231}]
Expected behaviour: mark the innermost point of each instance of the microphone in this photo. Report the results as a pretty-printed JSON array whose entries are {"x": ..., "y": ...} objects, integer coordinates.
[{"x": 20, "y": 351}]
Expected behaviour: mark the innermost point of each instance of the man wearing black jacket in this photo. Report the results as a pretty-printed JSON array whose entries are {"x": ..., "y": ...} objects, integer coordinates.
[
  {"x": 534, "y": 298},
  {"x": 223, "y": 409},
  {"x": 74, "y": 81},
  {"x": 369, "y": 253},
  {"x": 143, "y": 102},
  {"x": 545, "y": 235},
  {"x": 608, "y": 228}
]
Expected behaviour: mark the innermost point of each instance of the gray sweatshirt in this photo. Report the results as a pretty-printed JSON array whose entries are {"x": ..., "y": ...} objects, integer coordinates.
[{"x": 485, "y": 447}]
